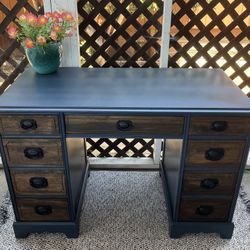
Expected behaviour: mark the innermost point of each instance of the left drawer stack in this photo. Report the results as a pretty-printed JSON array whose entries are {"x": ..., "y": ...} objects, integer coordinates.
[{"x": 34, "y": 157}]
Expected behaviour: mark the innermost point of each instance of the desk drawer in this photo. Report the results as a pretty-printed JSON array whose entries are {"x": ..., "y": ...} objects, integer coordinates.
[
  {"x": 38, "y": 182},
  {"x": 230, "y": 126},
  {"x": 29, "y": 124},
  {"x": 42, "y": 210},
  {"x": 33, "y": 152},
  {"x": 214, "y": 153},
  {"x": 200, "y": 183},
  {"x": 204, "y": 210},
  {"x": 137, "y": 125}
]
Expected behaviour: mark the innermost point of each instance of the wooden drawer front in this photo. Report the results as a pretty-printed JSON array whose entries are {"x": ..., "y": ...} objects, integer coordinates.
[
  {"x": 214, "y": 153},
  {"x": 33, "y": 151},
  {"x": 202, "y": 210},
  {"x": 38, "y": 182},
  {"x": 237, "y": 126},
  {"x": 208, "y": 183},
  {"x": 42, "y": 210},
  {"x": 29, "y": 124},
  {"x": 145, "y": 125}
]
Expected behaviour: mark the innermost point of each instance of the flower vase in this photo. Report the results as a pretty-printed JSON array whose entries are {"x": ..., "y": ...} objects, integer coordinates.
[{"x": 45, "y": 60}]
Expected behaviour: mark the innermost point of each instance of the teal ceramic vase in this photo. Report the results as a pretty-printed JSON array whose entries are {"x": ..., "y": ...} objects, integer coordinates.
[{"x": 45, "y": 60}]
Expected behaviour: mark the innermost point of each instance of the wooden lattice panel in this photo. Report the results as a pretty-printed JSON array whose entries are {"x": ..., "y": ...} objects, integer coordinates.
[
  {"x": 12, "y": 58},
  {"x": 213, "y": 34},
  {"x": 120, "y": 33},
  {"x": 120, "y": 147},
  {"x": 123, "y": 33}
]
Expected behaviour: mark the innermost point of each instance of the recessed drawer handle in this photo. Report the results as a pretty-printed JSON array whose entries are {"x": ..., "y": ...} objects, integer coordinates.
[
  {"x": 33, "y": 153},
  {"x": 124, "y": 125},
  {"x": 204, "y": 210},
  {"x": 43, "y": 210},
  {"x": 38, "y": 182},
  {"x": 219, "y": 126},
  {"x": 209, "y": 183},
  {"x": 214, "y": 154},
  {"x": 28, "y": 124}
]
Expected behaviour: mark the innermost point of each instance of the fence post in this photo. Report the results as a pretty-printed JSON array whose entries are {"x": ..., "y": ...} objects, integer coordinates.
[
  {"x": 71, "y": 45},
  {"x": 165, "y": 39}
]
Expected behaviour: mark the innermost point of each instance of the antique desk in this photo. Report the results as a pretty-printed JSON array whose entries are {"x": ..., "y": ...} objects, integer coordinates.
[{"x": 202, "y": 116}]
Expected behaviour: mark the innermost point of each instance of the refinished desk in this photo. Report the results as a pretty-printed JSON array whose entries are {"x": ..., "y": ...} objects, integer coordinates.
[{"x": 202, "y": 116}]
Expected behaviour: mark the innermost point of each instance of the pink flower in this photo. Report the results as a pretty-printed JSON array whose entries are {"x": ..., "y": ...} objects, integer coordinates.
[
  {"x": 53, "y": 35},
  {"x": 66, "y": 16},
  {"x": 28, "y": 43},
  {"x": 31, "y": 19},
  {"x": 42, "y": 20},
  {"x": 48, "y": 14},
  {"x": 41, "y": 40},
  {"x": 23, "y": 17},
  {"x": 56, "y": 28},
  {"x": 69, "y": 33},
  {"x": 12, "y": 32}
]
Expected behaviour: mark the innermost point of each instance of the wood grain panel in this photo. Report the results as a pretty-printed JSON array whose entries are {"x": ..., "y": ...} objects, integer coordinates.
[
  {"x": 27, "y": 209},
  {"x": 22, "y": 182},
  {"x": 235, "y": 126},
  {"x": 145, "y": 125},
  {"x": 15, "y": 151},
  {"x": 196, "y": 153},
  {"x": 200, "y": 183},
  {"x": 188, "y": 210},
  {"x": 12, "y": 124}
]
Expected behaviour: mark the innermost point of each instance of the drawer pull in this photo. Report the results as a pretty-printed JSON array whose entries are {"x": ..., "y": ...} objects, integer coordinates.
[
  {"x": 43, "y": 210},
  {"x": 219, "y": 126},
  {"x": 38, "y": 182},
  {"x": 214, "y": 154},
  {"x": 124, "y": 125},
  {"x": 204, "y": 210},
  {"x": 28, "y": 124},
  {"x": 209, "y": 183},
  {"x": 33, "y": 153}
]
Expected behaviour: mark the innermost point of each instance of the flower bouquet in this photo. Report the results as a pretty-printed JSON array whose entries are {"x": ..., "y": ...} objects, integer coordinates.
[{"x": 42, "y": 36}]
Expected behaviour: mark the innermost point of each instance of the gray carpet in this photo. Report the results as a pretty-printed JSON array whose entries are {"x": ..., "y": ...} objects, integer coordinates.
[{"x": 125, "y": 210}]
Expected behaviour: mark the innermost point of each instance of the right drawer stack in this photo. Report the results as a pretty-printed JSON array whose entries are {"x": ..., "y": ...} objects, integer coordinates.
[{"x": 213, "y": 159}]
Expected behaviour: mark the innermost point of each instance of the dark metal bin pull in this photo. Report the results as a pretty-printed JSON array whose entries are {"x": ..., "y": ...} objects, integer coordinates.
[
  {"x": 124, "y": 125},
  {"x": 43, "y": 210},
  {"x": 204, "y": 210},
  {"x": 38, "y": 182},
  {"x": 28, "y": 124},
  {"x": 219, "y": 126},
  {"x": 214, "y": 154},
  {"x": 209, "y": 183},
  {"x": 33, "y": 153}
]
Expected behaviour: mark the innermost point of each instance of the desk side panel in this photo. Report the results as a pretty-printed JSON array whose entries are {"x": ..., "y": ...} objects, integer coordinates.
[
  {"x": 171, "y": 165},
  {"x": 77, "y": 167}
]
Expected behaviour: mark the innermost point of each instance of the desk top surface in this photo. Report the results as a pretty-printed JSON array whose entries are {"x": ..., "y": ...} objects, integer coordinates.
[{"x": 88, "y": 89}]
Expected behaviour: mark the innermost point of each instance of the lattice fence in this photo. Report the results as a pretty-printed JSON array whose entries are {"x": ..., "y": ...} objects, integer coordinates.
[
  {"x": 12, "y": 58},
  {"x": 123, "y": 33},
  {"x": 212, "y": 33}
]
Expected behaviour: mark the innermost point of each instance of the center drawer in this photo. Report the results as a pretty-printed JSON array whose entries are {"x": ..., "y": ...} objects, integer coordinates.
[
  {"x": 38, "y": 182},
  {"x": 42, "y": 210},
  {"x": 20, "y": 152},
  {"x": 137, "y": 125}
]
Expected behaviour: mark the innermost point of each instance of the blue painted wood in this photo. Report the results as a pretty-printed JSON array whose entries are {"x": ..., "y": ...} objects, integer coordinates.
[
  {"x": 126, "y": 88},
  {"x": 108, "y": 91}
]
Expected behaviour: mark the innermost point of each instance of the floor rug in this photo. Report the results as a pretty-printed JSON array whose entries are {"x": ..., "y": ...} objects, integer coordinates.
[{"x": 124, "y": 210}]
